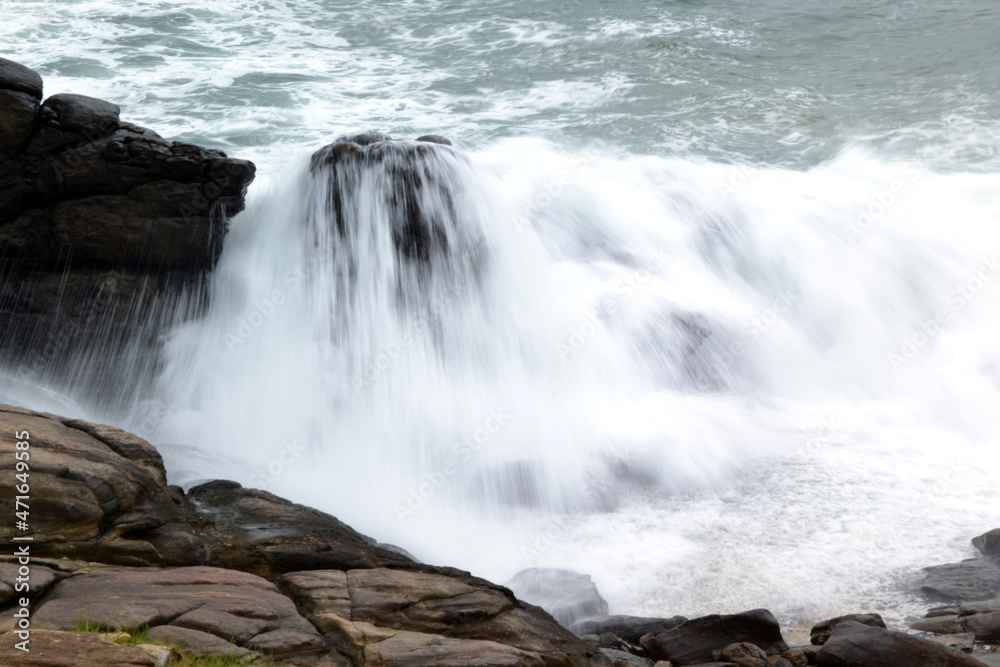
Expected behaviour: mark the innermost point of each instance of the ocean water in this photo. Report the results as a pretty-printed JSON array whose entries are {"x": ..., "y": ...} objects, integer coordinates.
[{"x": 722, "y": 334}]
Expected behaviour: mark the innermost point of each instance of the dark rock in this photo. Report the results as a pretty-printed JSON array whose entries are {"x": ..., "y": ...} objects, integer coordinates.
[
  {"x": 435, "y": 139},
  {"x": 18, "y": 112},
  {"x": 821, "y": 631},
  {"x": 695, "y": 640},
  {"x": 988, "y": 544},
  {"x": 972, "y": 579},
  {"x": 363, "y": 138},
  {"x": 796, "y": 657},
  {"x": 629, "y": 628},
  {"x": 569, "y": 596},
  {"x": 853, "y": 644},
  {"x": 945, "y": 625},
  {"x": 83, "y": 193},
  {"x": 17, "y": 77},
  {"x": 625, "y": 659},
  {"x": 87, "y": 116},
  {"x": 744, "y": 655}
]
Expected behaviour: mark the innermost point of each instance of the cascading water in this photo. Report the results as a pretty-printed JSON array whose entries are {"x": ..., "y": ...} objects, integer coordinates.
[{"x": 726, "y": 341}]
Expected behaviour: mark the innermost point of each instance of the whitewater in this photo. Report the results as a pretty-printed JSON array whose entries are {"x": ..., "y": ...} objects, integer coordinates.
[{"x": 722, "y": 337}]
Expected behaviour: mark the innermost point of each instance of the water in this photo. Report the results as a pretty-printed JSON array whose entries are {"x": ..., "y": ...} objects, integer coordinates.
[{"x": 720, "y": 331}]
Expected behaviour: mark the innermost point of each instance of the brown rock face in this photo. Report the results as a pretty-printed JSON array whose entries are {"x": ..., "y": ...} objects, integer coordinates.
[
  {"x": 80, "y": 649},
  {"x": 112, "y": 214}
]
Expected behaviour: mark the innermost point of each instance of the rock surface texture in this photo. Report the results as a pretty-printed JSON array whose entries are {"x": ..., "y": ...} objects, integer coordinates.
[
  {"x": 98, "y": 218},
  {"x": 226, "y": 570}
]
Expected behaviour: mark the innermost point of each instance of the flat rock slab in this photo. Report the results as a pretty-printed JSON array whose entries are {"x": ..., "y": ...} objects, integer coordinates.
[
  {"x": 243, "y": 608},
  {"x": 972, "y": 579},
  {"x": 355, "y": 605},
  {"x": 60, "y": 649},
  {"x": 852, "y": 644}
]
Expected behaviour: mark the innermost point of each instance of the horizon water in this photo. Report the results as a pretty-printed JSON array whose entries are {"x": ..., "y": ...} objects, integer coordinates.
[{"x": 722, "y": 332}]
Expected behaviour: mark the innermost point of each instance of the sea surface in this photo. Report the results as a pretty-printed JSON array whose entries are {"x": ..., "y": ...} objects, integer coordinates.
[{"x": 736, "y": 344}]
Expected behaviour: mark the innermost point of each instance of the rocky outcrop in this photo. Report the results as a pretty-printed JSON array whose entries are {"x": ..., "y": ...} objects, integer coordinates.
[
  {"x": 971, "y": 579},
  {"x": 98, "y": 219},
  {"x": 114, "y": 546},
  {"x": 853, "y": 644},
  {"x": 697, "y": 641}
]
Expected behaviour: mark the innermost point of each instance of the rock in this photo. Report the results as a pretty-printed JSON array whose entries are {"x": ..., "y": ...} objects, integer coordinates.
[
  {"x": 161, "y": 655},
  {"x": 629, "y": 628},
  {"x": 41, "y": 578},
  {"x": 852, "y": 644},
  {"x": 988, "y": 544},
  {"x": 238, "y": 606},
  {"x": 695, "y": 640},
  {"x": 82, "y": 193},
  {"x": 569, "y": 596},
  {"x": 256, "y": 531},
  {"x": 625, "y": 659},
  {"x": 744, "y": 655},
  {"x": 821, "y": 631},
  {"x": 962, "y": 642},
  {"x": 15, "y": 76},
  {"x": 945, "y": 625},
  {"x": 796, "y": 657},
  {"x": 198, "y": 643},
  {"x": 400, "y": 175},
  {"x": 435, "y": 139},
  {"x": 80, "y": 649},
  {"x": 972, "y": 579},
  {"x": 982, "y": 619},
  {"x": 348, "y": 606},
  {"x": 778, "y": 661}
]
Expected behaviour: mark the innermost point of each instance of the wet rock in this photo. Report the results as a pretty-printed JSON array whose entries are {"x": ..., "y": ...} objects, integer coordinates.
[
  {"x": 939, "y": 624},
  {"x": 852, "y": 644},
  {"x": 629, "y": 628},
  {"x": 821, "y": 631},
  {"x": 82, "y": 192},
  {"x": 569, "y": 596},
  {"x": 696, "y": 640},
  {"x": 357, "y": 603},
  {"x": 625, "y": 659},
  {"x": 435, "y": 139},
  {"x": 80, "y": 649},
  {"x": 795, "y": 657},
  {"x": 744, "y": 655},
  {"x": 972, "y": 579},
  {"x": 988, "y": 544}
]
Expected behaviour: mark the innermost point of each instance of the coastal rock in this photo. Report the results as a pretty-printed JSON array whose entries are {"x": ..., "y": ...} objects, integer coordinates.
[
  {"x": 821, "y": 631},
  {"x": 971, "y": 579},
  {"x": 696, "y": 640},
  {"x": 407, "y": 173},
  {"x": 357, "y": 603},
  {"x": 625, "y": 659},
  {"x": 569, "y": 596},
  {"x": 744, "y": 655},
  {"x": 84, "y": 195},
  {"x": 853, "y": 644},
  {"x": 629, "y": 628},
  {"x": 988, "y": 544}
]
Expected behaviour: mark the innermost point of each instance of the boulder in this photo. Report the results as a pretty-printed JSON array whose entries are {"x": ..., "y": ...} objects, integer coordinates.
[
  {"x": 569, "y": 596},
  {"x": 354, "y": 604},
  {"x": 988, "y": 544},
  {"x": 744, "y": 654},
  {"x": 629, "y": 628},
  {"x": 821, "y": 631},
  {"x": 696, "y": 640},
  {"x": 853, "y": 644},
  {"x": 972, "y": 579},
  {"x": 625, "y": 659},
  {"x": 84, "y": 195},
  {"x": 80, "y": 649}
]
